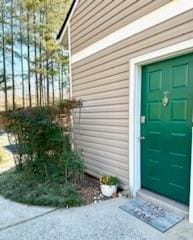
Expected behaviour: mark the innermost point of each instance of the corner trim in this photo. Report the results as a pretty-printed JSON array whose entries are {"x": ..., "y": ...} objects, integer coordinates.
[
  {"x": 70, "y": 81},
  {"x": 70, "y": 59}
]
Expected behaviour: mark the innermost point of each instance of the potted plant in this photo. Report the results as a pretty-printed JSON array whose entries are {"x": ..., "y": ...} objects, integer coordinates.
[{"x": 108, "y": 185}]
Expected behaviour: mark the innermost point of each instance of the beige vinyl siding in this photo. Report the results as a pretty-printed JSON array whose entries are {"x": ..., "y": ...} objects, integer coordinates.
[
  {"x": 102, "y": 82},
  {"x": 99, "y": 18},
  {"x": 167, "y": 30}
]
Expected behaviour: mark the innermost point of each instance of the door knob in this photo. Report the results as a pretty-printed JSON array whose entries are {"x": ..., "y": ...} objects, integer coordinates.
[{"x": 142, "y": 138}]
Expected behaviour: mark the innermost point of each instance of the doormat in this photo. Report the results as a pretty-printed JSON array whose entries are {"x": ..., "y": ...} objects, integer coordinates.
[{"x": 152, "y": 214}]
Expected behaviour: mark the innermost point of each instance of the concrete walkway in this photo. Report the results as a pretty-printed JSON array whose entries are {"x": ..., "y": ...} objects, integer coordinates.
[{"x": 101, "y": 221}]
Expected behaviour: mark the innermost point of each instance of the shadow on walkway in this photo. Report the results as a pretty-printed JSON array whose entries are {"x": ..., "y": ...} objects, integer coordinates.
[{"x": 2, "y": 132}]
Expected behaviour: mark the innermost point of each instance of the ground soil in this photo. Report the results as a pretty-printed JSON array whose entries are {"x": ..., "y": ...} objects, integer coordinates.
[{"x": 90, "y": 190}]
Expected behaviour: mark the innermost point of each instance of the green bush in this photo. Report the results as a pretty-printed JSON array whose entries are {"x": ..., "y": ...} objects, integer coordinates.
[
  {"x": 46, "y": 166},
  {"x": 43, "y": 144}
]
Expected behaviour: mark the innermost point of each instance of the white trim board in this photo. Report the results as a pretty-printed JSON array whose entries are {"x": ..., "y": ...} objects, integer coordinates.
[
  {"x": 135, "y": 110},
  {"x": 67, "y": 24},
  {"x": 166, "y": 12},
  {"x": 70, "y": 60},
  {"x": 70, "y": 80}
]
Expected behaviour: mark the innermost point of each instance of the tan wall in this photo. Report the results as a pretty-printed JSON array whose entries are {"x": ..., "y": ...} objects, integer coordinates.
[
  {"x": 96, "y": 19},
  {"x": 102, "y": 82}
]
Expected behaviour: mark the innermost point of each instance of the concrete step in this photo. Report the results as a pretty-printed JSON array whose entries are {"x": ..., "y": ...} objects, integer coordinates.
[{"x": 163, "y": 202}]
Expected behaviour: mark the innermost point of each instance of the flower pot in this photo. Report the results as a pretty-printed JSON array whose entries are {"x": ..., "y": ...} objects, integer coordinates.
[{"x": 108, "y": 190}]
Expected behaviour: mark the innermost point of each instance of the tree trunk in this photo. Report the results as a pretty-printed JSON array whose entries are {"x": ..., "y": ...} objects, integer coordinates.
[
  {"x": 28, "y": 59},
  {"x": 40, "y": 64},
  {"x": 59, "y": 82},
  {"x": 53, "y": 94},
  {"x": 22, "y": 66},
  {"x": 35, "y": 58},
  {"x": 12, "y": 57},
  {"x": 4, "y": 56}
]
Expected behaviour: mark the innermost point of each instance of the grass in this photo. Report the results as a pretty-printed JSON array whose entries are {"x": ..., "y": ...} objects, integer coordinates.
[{"x": 55, "y": 193}]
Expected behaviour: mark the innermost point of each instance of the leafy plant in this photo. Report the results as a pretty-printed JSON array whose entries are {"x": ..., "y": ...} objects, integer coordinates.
[
  {"x": 108, "y": 180},
  {"x": 46, "y": 166},
  {"x": 43, "y": 144}
]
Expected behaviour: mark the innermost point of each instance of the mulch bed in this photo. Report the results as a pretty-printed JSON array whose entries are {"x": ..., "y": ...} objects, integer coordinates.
[{"x": 90, "y": 190}]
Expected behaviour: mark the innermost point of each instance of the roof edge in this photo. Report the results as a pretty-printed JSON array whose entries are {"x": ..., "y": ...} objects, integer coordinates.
[{"x": 66, "y": 20}]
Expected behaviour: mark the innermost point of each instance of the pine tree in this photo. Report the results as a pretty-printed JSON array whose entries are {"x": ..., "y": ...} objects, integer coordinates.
[
  {"x": 27, "y": 32},
  {"x": 4, "y": 77},
  {"x": 12, "y": 53}
]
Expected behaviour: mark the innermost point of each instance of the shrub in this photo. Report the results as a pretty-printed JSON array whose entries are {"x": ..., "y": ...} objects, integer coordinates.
[
  {"x": 46, "y": 166},
  {"x": 43, "y": 144}
]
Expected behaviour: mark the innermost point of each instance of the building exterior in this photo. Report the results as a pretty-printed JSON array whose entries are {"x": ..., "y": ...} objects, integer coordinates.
[{"x": 132, "y": 65}]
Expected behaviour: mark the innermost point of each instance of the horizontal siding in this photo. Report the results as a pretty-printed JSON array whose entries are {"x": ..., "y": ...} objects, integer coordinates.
[
  {"x": 103, "y": 88},
  {"x": 159, "y": 34},
  {"x": 102, "y": 82},
  {"x": 107, "y": 129},
  {"x": 82, "y": 6},
  {"x": 88, "y": 83},
  {"x": 107, "y": 73},
  {"x": 100, "y": 168},
  {"x": 117, "y": 152},
  {"x": 105, "y": 95},
  {"x": 107, "y": 115},
  {"x": 96, "y": 16},
  {"x": 104, "y": 135},
  {"x": 106, "y": 102},
  {"x": 103, "y": 122},
  {"x": 86, "y": 9},
  {"x": 101, "y": 18},
  {"x": 107, "y": 142},
  {"x": 97, "y": 109}
]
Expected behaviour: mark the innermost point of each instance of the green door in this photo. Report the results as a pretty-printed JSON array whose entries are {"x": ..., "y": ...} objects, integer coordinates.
[{"x": 166, "y": 127}]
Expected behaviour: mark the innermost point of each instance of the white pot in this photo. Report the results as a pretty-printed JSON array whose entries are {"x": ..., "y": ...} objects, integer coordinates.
[{"x": 108, "y": 190}]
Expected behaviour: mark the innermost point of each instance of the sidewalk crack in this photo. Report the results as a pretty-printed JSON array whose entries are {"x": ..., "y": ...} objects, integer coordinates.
[{"x": 28, "y": 219}]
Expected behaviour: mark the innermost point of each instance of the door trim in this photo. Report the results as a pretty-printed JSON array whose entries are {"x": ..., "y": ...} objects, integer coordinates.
[{"x": 135, "y": 77}]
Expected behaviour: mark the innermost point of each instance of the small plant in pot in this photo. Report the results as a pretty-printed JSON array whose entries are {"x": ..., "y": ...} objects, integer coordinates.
[{"x": 108, "y": 185}]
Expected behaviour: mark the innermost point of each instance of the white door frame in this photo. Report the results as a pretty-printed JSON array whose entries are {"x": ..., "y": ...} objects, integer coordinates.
[{"x": 135, "y": 111}]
